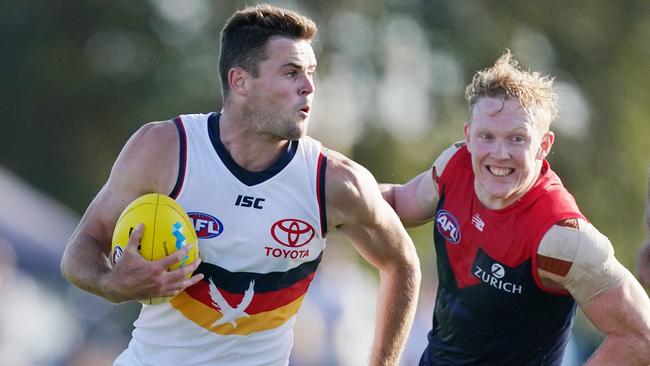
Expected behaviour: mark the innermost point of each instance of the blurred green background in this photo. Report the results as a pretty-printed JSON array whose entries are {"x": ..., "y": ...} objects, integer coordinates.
[{"x": 79, "y": 77}]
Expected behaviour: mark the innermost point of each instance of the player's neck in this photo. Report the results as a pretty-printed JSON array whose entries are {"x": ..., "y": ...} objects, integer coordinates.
[{"x": 250, "y": 150}]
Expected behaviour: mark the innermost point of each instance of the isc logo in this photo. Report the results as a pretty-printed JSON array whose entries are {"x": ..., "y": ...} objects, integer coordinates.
[
  {"x": 248, "y": 201},
  {"x": 447, "y": 225}
]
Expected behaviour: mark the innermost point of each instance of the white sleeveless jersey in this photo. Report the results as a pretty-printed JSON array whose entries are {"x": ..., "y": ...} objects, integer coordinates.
[{"x": 261, "y": 236}]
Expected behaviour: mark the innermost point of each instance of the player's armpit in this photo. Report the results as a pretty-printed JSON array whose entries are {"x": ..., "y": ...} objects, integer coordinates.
[{"x": 579, "y": 259}]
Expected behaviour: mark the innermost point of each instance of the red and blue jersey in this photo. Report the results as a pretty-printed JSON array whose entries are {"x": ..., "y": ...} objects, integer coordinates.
[{"x": 491, "y": 308}]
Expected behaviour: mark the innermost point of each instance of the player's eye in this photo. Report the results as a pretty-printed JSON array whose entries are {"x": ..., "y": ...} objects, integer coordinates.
[{"x": 518, "y": 139}]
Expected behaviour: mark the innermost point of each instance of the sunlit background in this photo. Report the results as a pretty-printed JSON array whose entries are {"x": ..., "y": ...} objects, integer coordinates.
[{"x": 79, "y": 77}]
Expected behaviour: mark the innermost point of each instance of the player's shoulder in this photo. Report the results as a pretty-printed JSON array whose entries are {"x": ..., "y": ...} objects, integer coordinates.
[
  {"x": 342, "y": 170},
  {"x": 151, "y": 140},
  {"x": 156, "y": 133},
  {"x": 574, "y": 254},
  {"x": 443, "y": 159},
  {"x": 151, "y": 156},
  {"x": 347, "y": 182},
  {"x": 573, "y": 237}
]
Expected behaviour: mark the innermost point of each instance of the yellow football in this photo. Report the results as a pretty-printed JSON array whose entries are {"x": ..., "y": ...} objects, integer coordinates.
[{"x": 167, "y": 228}]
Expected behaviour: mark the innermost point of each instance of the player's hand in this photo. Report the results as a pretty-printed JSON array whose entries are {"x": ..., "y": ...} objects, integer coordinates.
[
  {"x": 644, "y": 264},
  {"x": 135, "y": 278}
]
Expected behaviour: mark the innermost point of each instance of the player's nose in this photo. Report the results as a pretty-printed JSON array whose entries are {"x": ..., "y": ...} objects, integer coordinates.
[{"x": 307, "y": 86}]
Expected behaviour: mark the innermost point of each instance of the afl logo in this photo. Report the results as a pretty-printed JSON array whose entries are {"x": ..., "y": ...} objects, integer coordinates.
[
  {"x": 498, "y": 271},
  {"x": 205, "y": 225},
  {"x": 447, "y": 226},
  {"x": 117, "y": 253},
  {"x": 292, "y": 233}
]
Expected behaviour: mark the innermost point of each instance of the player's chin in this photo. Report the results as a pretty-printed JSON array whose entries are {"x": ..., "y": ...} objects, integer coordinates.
[
  {"x": 498, "y": 190},
  {"x": 295, "y": 136},
  {"x": 297, "y": 132}
]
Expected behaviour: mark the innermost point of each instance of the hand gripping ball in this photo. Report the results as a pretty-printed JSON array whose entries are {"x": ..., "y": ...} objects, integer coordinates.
[{"x": 167, "y": 228}]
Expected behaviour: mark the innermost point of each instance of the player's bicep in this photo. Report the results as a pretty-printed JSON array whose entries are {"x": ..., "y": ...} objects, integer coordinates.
[
  {"x": 148, "y": 162},
  {"x": 364, "y": 217},
  {"x": 415, "y": 201},
  {"x": 426, "y": 189},
  {"x": 145, "y": 164},
  {"x": 581, "y": 260}
]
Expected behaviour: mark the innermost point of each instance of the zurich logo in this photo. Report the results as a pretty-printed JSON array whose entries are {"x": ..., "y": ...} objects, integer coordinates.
[
  {"x": 292, "y": 232},
  {"x": 498, "y": 271},
  {"x": 205, "y": 225},
  {"x": 447, "y": 226}
]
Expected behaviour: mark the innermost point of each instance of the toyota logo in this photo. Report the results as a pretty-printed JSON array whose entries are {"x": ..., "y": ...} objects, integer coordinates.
[{"x": 292, "y": 232}]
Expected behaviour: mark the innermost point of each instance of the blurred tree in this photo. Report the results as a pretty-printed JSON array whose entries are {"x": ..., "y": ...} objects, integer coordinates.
[{"x": 80, "y": 77}]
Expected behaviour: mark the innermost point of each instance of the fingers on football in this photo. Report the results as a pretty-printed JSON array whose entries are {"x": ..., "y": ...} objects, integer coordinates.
[
  {"x": 188, "y": 282},
  {"x": 185, "y": 271},
  {"x": 177, "y": 285},
  {"x": 175, "y": 257},
  {"x": 184, "y": 283},
  {"x": 134, "y": 238},
  {"x": 192, "y": 280}
]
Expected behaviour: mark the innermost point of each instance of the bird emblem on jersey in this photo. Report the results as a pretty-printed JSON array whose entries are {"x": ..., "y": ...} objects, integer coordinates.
[{"x": 230, "y": 314}]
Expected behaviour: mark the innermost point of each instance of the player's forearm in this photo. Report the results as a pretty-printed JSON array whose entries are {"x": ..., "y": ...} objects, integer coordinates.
[
  {"x": 398, "y": 295},
  {"x": 623, "y": 314},
  {"x": 621, "y": 350},
  {"x": 85, "y": 265}
]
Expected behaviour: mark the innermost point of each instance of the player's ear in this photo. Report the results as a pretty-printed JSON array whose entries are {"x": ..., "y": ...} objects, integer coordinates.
[
  {"x": 238, "y": 80},
  {"x": 545, "y": 145},
  {"x": 466, "y": 129}
]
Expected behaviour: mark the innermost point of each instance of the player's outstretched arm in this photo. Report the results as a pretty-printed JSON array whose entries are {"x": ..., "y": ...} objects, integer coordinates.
[
  {"x": 623, "y": 314},
  {"x": 147, "y": 163},
  {"x": 415, "y": 202},
  {"x": 355, "y": 205},
  {"x": 606, "y": 291}
]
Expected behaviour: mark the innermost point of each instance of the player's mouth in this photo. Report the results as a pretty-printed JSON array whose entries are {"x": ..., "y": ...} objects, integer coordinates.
[
  {"x": 304, "y": 111},
  {"x": 499, "y": 171}
]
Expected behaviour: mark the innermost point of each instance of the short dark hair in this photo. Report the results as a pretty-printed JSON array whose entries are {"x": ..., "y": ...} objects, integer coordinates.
[{"x": 244, "y": 37}]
